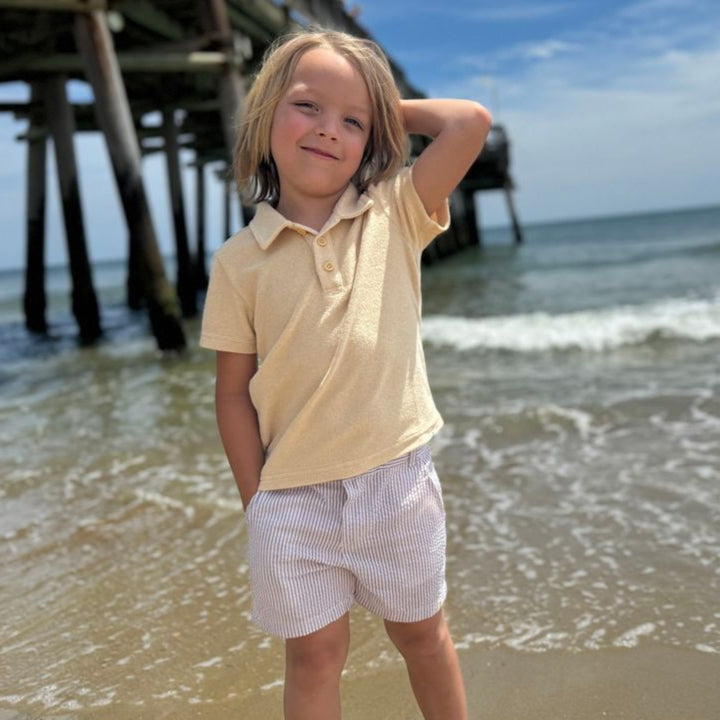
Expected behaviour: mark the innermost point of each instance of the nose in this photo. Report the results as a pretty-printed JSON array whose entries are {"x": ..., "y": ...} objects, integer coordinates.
[{"x": 327, "y": 128}]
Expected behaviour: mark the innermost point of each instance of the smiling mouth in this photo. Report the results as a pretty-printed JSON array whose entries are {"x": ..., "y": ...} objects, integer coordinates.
[{"x": 319, "y": 153}]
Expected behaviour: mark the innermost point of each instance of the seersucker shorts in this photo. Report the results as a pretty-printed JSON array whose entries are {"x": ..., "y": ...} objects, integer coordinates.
[{"x": 377, "y": 539}]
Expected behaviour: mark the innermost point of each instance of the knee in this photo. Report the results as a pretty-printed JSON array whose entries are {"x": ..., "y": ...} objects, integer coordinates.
[
  {"x": 315, "y": 661},
  {"x": 426, "y": 638}
]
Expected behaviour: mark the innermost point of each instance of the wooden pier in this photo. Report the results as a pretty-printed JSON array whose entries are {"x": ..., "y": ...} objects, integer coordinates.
[{"x": 141, "y": 57}]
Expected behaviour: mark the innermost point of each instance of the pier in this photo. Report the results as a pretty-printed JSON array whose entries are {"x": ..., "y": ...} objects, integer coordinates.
[{"x": 190, "y": 63}]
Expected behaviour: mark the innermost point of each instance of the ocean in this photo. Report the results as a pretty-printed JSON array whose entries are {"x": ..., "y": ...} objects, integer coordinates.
[{"x": 579, "y": 381}]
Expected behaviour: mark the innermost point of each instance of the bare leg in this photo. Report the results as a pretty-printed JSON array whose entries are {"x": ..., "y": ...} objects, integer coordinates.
[
  {"x": 433, "y": 667},
  {"x": 313, "y": 664}
]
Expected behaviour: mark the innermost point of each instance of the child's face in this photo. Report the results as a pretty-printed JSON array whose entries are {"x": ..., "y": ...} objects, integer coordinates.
[{"x": 320, "y": 127}]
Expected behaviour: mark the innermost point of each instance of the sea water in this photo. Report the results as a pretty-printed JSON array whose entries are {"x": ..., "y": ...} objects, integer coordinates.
[{"x": 579, "y": 381}]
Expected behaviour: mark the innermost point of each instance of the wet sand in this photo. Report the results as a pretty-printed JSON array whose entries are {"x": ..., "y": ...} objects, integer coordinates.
[{"x": 646, "y": 683}]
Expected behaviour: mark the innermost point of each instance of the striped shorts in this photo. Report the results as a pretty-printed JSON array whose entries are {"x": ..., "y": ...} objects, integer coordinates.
[{"x": 377, "y": 539}]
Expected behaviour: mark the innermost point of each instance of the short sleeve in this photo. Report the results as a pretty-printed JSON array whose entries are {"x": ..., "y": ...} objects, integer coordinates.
[
  {"x": 409, "y": 212},
  {"x": 227, "y": 320}
]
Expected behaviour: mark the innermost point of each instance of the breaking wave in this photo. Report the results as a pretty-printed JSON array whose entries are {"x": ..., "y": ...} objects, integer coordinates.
[{"x": 592, "y": 330}]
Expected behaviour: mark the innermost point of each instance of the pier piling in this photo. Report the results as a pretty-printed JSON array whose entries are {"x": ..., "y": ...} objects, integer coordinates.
[
  {"x": 185, "y": 281},
  {"x": 62, "y": 128},
  {"x": 214, "y": 16},
  {"x": 471, "y": 217},
  {"x": 201, "y": 273},
  {"x": 133, "y": 282},
  {"x": 517, "y": 230},
  {"x": 112, "y": 111},
  {"x": 226, "y": 208},
  {"x": 34, "y": 301}
]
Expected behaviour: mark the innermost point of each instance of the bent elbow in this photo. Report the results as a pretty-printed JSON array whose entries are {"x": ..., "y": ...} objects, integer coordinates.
[
  {"x": 481, "y": 123},
  {"x": 483, "y": 118}
]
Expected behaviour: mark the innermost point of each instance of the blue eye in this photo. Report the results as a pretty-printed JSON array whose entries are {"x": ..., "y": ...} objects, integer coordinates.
[{"x": 354, "y": 122}]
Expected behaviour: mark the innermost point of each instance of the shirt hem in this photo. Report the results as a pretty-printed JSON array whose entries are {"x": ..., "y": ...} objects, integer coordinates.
[
  {"x": 217, "y": 342},
  {"x": 284, "y": 481}
]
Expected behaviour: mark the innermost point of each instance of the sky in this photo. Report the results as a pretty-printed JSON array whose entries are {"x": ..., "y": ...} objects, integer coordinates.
[{"x": 611, "y": 108}]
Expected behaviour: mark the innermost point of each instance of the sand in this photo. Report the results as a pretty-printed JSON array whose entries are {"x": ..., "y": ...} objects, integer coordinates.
[
  {"x": 644, "y": 683},
  {"x": 647, "y": 683}
]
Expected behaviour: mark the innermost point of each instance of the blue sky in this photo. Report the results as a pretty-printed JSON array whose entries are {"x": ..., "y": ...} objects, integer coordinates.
[{"x": 612, "y": 107}]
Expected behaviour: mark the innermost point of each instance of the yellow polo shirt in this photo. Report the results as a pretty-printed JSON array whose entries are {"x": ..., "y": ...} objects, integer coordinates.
[{"x": 334, "y": 318}]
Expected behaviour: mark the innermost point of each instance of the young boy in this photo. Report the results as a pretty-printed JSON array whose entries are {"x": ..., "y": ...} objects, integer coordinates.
[{"x": 327, "y": 435}]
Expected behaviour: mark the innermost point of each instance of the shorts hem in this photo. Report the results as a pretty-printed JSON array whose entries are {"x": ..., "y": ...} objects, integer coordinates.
[
  {"x": 287, "y": 630},
  {"x": 405, "y": 615}
]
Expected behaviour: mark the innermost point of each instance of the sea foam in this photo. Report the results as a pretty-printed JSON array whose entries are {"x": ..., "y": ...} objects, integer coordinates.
[{"x": 591, "y": 330}]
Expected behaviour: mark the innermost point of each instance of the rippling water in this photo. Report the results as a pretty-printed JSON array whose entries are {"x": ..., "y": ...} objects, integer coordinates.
[{"x": 579, "y": 381}]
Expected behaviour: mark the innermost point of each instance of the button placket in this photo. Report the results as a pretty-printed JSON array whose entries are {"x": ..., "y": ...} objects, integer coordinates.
[{"x": 326, "y": 264}]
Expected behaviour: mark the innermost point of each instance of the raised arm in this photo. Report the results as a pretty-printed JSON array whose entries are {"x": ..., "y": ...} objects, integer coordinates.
[
  {"x": 238, "y": 422},
  {"x": 459, "y": 129}
]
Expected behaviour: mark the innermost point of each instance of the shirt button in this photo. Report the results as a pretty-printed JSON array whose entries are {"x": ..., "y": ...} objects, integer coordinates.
[
  {"x": 321, "y": 241},
  {"x": 329, "y": 266}
]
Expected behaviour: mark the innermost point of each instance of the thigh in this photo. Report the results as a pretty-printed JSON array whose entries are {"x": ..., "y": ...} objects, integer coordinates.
[{"x": 294, "y": 553}]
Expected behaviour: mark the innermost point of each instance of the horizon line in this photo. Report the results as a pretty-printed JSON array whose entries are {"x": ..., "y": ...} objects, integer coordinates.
[{"x": 505, "y": 226}]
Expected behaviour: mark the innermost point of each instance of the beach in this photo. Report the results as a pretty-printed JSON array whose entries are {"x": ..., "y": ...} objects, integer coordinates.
[
  {"x": 580, "y": 463},
  {"x": 650, "y": 683}
]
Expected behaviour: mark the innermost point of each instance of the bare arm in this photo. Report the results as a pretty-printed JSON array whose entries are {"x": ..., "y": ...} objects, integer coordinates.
[
  {"x": 237, "y": 421},
  {"x": 460, "y": 128}
]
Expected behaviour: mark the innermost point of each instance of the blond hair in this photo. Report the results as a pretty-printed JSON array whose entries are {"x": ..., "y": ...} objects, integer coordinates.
[{"x": 387, "y": 147}]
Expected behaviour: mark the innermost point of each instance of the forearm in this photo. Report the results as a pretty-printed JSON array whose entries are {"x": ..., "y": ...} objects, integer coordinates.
[
  {"x": 433, "y": 116},
  {"x": 240, "y": 433},
  {"x": 459, "y": 129}
]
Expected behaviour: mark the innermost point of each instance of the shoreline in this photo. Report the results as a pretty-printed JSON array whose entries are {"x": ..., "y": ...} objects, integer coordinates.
[{"x": 650, "y": 682}]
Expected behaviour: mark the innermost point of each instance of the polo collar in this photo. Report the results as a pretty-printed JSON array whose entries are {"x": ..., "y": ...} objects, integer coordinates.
[{"x": 268, "y": 223}]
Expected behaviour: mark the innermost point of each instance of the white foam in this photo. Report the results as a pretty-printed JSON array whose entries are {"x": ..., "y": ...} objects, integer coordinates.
[
  {"x": 272, "y": 685},
  {"x": 632, "y": 637},
  {"x": 526, "y": 633},
  {"x": 12, "y": 699},
  {"x": 166, "y": 502},
  {"x": 581, "y": 420},
  {"x": 592, "y": 330}
]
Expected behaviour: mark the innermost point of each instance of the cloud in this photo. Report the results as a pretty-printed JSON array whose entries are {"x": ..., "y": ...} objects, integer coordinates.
[
  {"x": 603, "y": 123},
  {"x": 520, "y": 52},
  {"x": 608, "y": 54},
  {"x": 545, "y": 49}
]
